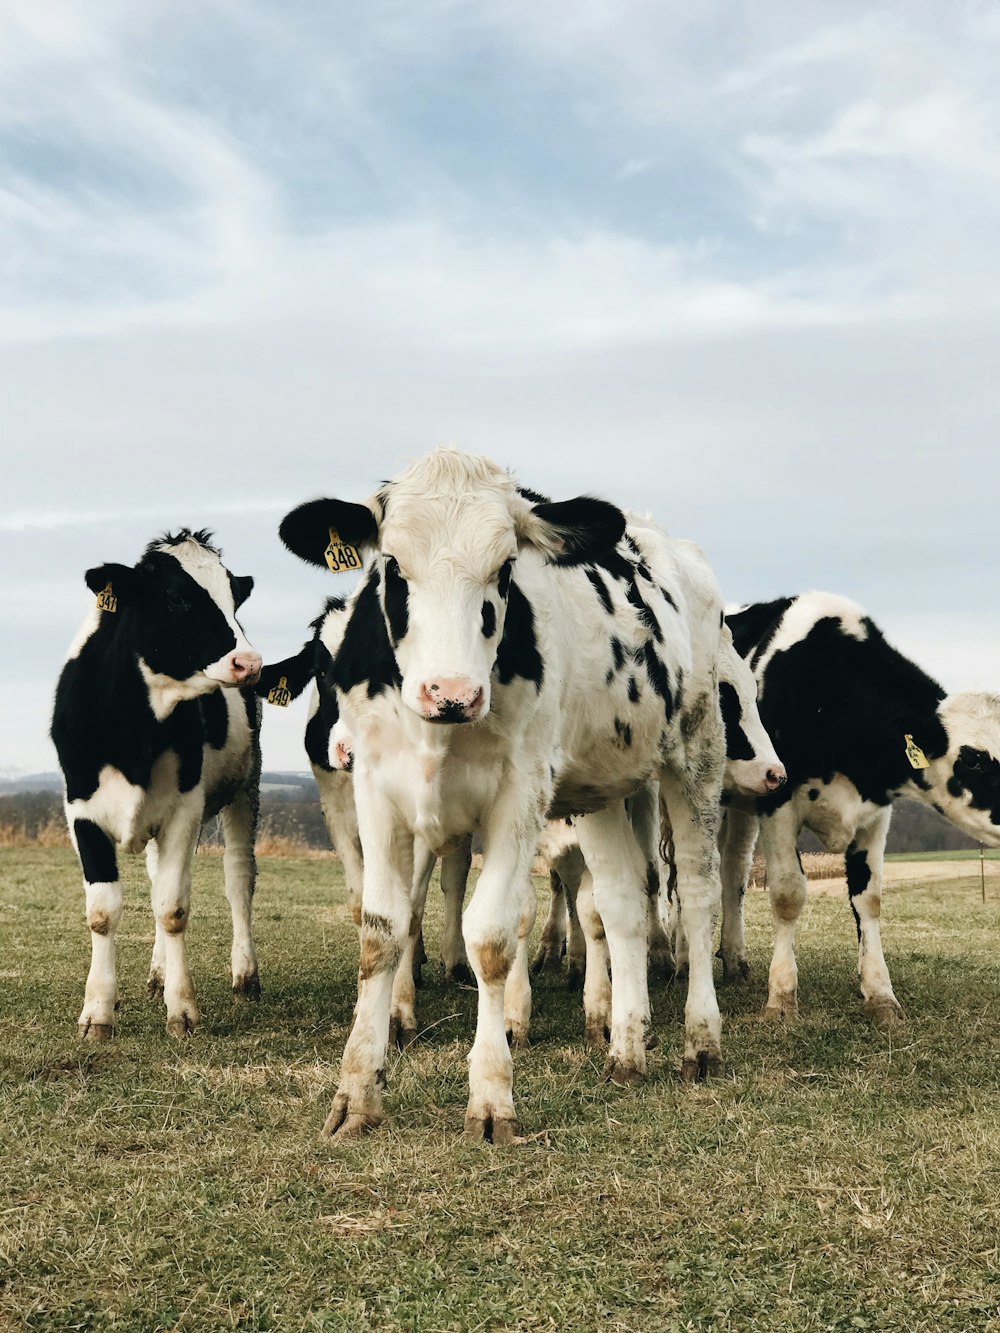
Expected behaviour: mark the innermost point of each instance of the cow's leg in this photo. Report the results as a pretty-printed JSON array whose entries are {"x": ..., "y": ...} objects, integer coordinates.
[
  {"x": 517, "y": 988},
  {"x": 336, "y": 796},
  {"x": 786, "y": 884},
  {"x": 385, "y": 925},
  {"x": 492, "y": 924},
  {"x": 692, "y": 796},
  {"x": 644, "y": 812},
  {"x": 739, "y": 837},
  {"x": 171, "y": 898},
  {"x": 455, "y": 869},
  {"x": 402, "y": 1012},
  {"x": 863, "y": 861},
  {"x": 104, "y": 912},
  {"x": 552, "y": 945},
  {"x": 618, "y": 867},
  {"x": 597, "y": 972},
  {"x": 154, "y": 982},
  {"x": 576, "y": 947},
  {"x": 239, "y": 824}
]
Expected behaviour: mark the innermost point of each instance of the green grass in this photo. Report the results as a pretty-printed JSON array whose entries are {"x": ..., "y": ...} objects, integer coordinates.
[
  {"x": 967, "y": 854},
  {"x": 836, "y": 1178}
]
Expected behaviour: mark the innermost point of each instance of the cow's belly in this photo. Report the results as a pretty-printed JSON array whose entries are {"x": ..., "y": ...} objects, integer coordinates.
[
  {"x": 130, "y": 814},
  {"x": 836, "y": 812}
]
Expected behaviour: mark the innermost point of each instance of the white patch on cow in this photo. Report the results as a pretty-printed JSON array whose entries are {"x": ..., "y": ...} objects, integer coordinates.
[
  {"x": 166, "y": 692},
  {"x": 803, "y": 613}
]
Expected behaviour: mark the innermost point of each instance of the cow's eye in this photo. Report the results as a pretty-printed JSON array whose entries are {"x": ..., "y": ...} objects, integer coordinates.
[{"x": 974, "y": 761}]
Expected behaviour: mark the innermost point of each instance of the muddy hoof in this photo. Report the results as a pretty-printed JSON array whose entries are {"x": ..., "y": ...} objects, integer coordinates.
[
  {"x": 343, "y": 1125},
  {"x": 181, "y": 1025},
  {"x": 96, "y": 1031},
  {"x": 400, "y": 1035},
  {"x": 547, "y": 959},
  {"x": 885, "y": 1013},
  {"x": 154, "y": 989},
  {"x": 518, "y": 1038},
  {"x": 622, "y": 1074},
  {"x": 597, "y": 1033},
  {"x": 575, "y": 978},
  {"x": 246, "y": 988},
  {"x": 785, "y": 1008},
  {"x": 737, "y": 972},
  {"x": 701, "y": 1067},
  {"x": 489, "y": 1128},
  {"x": 461, "y": 974},
  {"x": 662, "y": 969},
  {"x": 681, "y": 972}
]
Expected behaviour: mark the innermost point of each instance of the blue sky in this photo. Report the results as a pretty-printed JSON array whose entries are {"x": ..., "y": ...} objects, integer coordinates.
[{"x": 732, "y": 264}]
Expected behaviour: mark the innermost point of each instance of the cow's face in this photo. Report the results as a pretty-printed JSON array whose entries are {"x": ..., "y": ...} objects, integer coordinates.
[
  {"x": 966, "y": 780},
  {"x": 752, "y": 765},
  {"x": 446, "y": 537},
  {"x": 180, "y": 602}
]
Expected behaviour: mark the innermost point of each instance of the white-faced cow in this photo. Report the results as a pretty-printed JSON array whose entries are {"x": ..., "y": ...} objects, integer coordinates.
[
  {"x": 505, "y": 658},
  {"x": 150, "y": 746},
  {"x": 856, "y": 724}
]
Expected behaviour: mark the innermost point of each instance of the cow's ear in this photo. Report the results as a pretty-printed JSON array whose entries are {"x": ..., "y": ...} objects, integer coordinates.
[
  {"x": 124, "y": 581},
  {"x": 571, "y": 532},
  {"x": 311, "y": 528},
  {"x": 291, "y": 675},
  {"x": 242, "y": 586}
]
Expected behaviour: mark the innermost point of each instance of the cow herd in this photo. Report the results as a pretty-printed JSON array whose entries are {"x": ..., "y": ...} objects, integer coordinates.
[{"x": 522, "y": 670}]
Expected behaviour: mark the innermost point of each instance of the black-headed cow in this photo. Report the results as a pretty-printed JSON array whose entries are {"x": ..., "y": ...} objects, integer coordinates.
[
  {"x": 505, "y": 658},
  {"x": 856, "y": 724},
  {"x": 156, "y": 727}
]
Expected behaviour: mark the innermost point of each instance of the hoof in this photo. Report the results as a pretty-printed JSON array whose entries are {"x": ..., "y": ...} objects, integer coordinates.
[
  {"x": 784, "y": 1007},
  {"x": 518, "y": 1038},
  {"x": 400, "y": 1035},
  {"x": 246, "y": 988},
  {"x": 575, "y": 978},
  {"x": 701, "y": 1067},
  {"x": 461, "y": 974},
  {"x": 90, "y": 1031},
  {"x": 491, "y": 1128},
  {"x": 154, "y": 989},
  {"x": 547, "y": 959},
  {"x": 597, "y": 1033},
  {"x": 681, "y": 972},
  {"x": 342, "y": 1125},
  {"x": 182, "y": 1025},
  {"x": 650, "y": 1039},
  {"x": 737, "y": 972},
  {"x": 884, "y": 1013},
  {"x": 622, "y": 1074}
]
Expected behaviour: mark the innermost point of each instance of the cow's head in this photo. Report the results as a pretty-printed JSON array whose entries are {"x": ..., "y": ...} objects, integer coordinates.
[
  {"x": 180, "y": 605},
  {"x": 964, "y": 783},
  {"x": 752, "y": 764},
  {"x": 446, "y": 536}
]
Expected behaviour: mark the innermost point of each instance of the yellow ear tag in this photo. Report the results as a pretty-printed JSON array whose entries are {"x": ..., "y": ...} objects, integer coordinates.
[
  {"x": 915, "y": 755},
  {"x": 106, "y": 600},
  {"x": 281, "y": 695},
  {"x": 341, "y": 556}
]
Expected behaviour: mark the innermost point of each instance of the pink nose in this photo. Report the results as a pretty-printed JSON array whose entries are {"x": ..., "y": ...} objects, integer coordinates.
[
  {"x": 775, "y": 777},
  {"x": 452, "y": 700},
  {"x": 246, "y": 667}
]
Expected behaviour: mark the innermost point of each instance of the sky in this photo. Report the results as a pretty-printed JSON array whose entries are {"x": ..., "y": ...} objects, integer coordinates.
[{"x": 734, "y": 265}]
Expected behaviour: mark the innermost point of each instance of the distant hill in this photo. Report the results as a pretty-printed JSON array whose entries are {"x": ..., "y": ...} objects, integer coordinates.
[{"x": 297, "y": 786}]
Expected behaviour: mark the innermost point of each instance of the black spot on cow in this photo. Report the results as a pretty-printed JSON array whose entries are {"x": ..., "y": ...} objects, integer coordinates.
[
  {"x": 857, "y": 870},
  {"x": 489, "y": 620},
  {"x": 633, "y": 690},
  {"x": 624, "y": 732},
  {"x": 599, "y": 586},
  {"x": 737, "y": 745},
  {"x": 396, "y": 597},
  {"x": 658, "y": 676},
  {"x": 646, "y": 616},
  {"x": 214, "y": 719},
  {"x": 96, "y": 851},
  {"x": 617, "y": 653},
  {"x": 504, "y": 578},
  {"x": 365, "y": 656},
  {"x": 813, "y": 793},
  {"x": 518, "y": 653}
]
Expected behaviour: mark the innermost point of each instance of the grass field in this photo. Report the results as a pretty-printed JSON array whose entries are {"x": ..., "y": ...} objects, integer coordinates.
[{"x": 836, "y": 1178}]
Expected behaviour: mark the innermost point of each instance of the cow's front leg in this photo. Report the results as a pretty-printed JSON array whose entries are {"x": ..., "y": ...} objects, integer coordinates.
[
  {"x": 863, "y": 862},
  {"x": 739, "y": 836},
  {"x": 104, "y": 911},
  {"x": 385, "y": 925},
  {"x": 786, "y": 885},
  {"x": 403, "y": 1013},
  {"x": 336, "y": 797},
  {"x": 692, "y": 798},
  {"x": 239, "y": 823},
  {"x": 170, "y": 895},
  {"x": 154, "y": 981},
  {"x": 618, "y": 868},
  {"x": 597, "y": 972},
  {"x": 491, "y": 925},
  {"x": 455, "y": 867},
  {"x": 644, "y": 813}
]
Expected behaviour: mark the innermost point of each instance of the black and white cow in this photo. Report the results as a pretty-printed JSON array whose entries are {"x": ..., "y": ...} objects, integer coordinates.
[
  {"x": 856, "y": 724},
  {"x": 505, "y": 658},
  {"x": 150, "y": 746}
]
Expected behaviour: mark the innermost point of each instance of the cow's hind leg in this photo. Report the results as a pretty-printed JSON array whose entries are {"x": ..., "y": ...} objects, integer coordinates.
[
  {"x": 403, "y": 1009},
  {"x": 104, "y": 910},
  {"x": 154, "y": 982},
  {"x": 239, "y": 823},
  {"x": 552, "y": 945},
  {"x": 786, "y": 885},
  {"x": 171, "y": 899},
  {"x": 863, "y": 862},
  {"x": 618, "y": 868},
  {"x": 597, "y": 972},
  {"x": 455, "y": 869}
]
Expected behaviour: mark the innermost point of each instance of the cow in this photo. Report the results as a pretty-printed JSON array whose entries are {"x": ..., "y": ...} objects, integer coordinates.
[
  {"x": 857, "y": 724},
  {"x": 156, "y": 726},
  {"x": 506, "y": 658}
]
